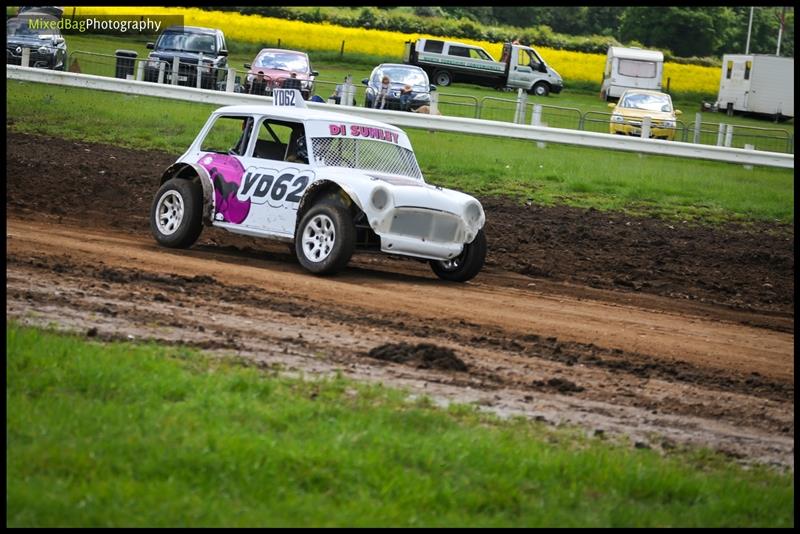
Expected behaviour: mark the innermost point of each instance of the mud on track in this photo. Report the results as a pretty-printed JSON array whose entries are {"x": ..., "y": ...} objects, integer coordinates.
[{"x": 664, "y": 333}]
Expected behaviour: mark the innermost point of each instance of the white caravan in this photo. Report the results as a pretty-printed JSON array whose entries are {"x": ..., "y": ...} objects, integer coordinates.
[{"x": 631, "y": 68}]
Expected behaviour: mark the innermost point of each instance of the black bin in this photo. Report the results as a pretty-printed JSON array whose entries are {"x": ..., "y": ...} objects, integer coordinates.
[{"x": 126, "y": 61}]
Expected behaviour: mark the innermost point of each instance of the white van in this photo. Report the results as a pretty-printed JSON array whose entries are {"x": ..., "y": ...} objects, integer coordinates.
[
  {"x": 631, "y": 68},
  {"x": 521, "y": 67},
  {"x": 757, "y": 83}
]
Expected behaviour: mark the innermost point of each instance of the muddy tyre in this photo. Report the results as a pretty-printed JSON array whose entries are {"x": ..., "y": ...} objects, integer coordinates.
[
  {"x": 325, "y": 238},
  {"x": 466, "y": 265},
  {"x": 176, "y": 214}
]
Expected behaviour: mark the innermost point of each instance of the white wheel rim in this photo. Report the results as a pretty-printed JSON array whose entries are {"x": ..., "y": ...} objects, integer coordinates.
[
  {"x": 169, "y": 212},
  {"x": 319, "y": 236}
]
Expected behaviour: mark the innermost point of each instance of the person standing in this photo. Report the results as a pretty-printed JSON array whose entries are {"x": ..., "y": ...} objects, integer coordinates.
[{"x": 383, "y": 92}]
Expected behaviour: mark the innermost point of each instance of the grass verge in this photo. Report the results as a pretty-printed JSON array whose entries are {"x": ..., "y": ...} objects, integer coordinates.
[{"x": 119, "y": 434}]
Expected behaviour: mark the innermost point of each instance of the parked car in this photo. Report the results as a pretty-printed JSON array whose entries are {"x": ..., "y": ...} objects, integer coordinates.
[
  {"x": 636, "y": 104},
  {"x": 392, "y": 96},
  {"x": 191, "y": 45},
  {"x": 520, "y": 67},
  {"x": 329, "y": 183},
  {"x": 48, "y": 49},
  {"x": 276, "y": 67}
]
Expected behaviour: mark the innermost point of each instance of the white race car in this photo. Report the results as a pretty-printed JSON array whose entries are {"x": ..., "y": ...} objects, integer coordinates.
[{"x": 329, "y": 183}]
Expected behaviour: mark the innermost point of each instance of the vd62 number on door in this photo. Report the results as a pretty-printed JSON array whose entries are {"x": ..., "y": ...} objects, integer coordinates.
[{"x": 277, "y": 188}]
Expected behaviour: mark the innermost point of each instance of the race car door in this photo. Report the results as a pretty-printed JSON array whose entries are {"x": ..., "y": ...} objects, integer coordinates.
[
  {"x": 276, "y": 175},
  {"x": 220, "y": 154}
]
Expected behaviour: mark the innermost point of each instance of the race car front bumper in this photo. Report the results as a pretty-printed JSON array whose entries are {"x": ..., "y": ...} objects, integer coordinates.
[
  {"x": 424, "y": 233},
  {"x": 419, "y": 248}
]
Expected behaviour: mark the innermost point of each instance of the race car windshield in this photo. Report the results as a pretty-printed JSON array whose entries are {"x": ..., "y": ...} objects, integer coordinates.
[
  {"x": 282, "y": 61},
  {"x": 188, "y": 42},
  {"x": 365, "y": 154}
]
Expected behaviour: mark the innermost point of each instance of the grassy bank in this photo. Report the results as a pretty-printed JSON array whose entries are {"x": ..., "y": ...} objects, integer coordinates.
[
  {"x": 557, "y": 174},
  {"x": 140, "y": 435}
]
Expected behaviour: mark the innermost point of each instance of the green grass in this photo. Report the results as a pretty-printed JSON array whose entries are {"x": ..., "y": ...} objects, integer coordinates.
[
  {"x": 639, "y": 184},
  {"x": 557, "y": 174},
  {"x": 120, "y": 434}
]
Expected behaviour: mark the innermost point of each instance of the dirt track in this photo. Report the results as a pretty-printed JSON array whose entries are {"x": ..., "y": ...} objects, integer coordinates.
[{"x": 701, "y": 366}]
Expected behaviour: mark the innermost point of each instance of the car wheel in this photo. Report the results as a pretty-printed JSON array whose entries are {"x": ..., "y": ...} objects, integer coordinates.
[
  {"x": 466, "y": 265},
  {"x": 325, "y": 238},
  {"x": 176, "y": 213},
  {"x": 541, "y": 89},
  {"x": 442, "y": 77}
]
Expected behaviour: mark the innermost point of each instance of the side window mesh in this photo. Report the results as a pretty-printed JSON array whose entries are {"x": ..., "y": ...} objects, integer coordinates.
[{"x": 365, "y": 154}]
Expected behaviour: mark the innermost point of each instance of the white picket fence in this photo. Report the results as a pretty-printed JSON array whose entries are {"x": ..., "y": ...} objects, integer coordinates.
[{"x": 540, "y": 134}]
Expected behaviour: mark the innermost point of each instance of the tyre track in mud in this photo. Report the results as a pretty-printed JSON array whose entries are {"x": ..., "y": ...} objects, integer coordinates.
[{"x": 464, "y": 332}]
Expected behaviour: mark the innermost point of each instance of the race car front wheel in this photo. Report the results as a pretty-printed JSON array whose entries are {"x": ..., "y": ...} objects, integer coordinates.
[
  {"x": 176, "y": 214},
  {"x": 325, "y": 238},
  {"x": 466, "y": 265}
]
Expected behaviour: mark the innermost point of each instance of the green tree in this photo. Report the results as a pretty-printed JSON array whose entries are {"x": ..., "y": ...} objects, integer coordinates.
[
  {"x": 482, "y": 15},
  {"x": 765, "y": 31},
  {"x": 684, "y": 31},
  {"x": 429, "y": 11},
  {"x": 520, "y": 16},
  {"x": 604, "y": 20}
]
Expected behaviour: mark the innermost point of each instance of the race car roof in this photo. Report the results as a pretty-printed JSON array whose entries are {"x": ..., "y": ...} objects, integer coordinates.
[{"x": 300, "y": 114}]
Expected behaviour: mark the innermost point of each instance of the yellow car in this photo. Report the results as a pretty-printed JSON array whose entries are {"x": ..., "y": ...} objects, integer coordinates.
[{"x": 636, "y": 104}]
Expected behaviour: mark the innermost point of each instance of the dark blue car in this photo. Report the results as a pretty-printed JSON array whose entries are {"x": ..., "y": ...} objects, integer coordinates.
[{"x": 407, "y": 88}]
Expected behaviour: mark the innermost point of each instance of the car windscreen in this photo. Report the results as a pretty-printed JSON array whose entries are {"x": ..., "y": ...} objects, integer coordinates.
[
  {"x": 365, "y": 154},
  {"x": 188, "y": 42},
  {"x": 42, "y": 27},
  {"x": 647, "y": 102},
  {"x": 401, "y": 75},
  {"x": 282, "y": 61}
]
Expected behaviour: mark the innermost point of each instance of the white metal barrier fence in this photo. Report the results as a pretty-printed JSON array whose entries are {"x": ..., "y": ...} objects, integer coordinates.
[
  {"x": 416, "y": 120},
  {"x": 201, "y": 74}
]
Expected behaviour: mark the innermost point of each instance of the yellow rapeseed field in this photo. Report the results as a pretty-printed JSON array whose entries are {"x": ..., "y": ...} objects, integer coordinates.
[{"x": 575, "y": 66}]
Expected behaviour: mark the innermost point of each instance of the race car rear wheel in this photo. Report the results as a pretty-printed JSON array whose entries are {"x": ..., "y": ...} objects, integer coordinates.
[
  {"x": 176, "y": 213},
  {"x": 466, "y": 265},
  {"x": 325, "y": 238}
]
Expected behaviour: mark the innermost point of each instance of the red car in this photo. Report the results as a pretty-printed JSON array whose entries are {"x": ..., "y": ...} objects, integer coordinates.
[{"x": 276, "y": 67}]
